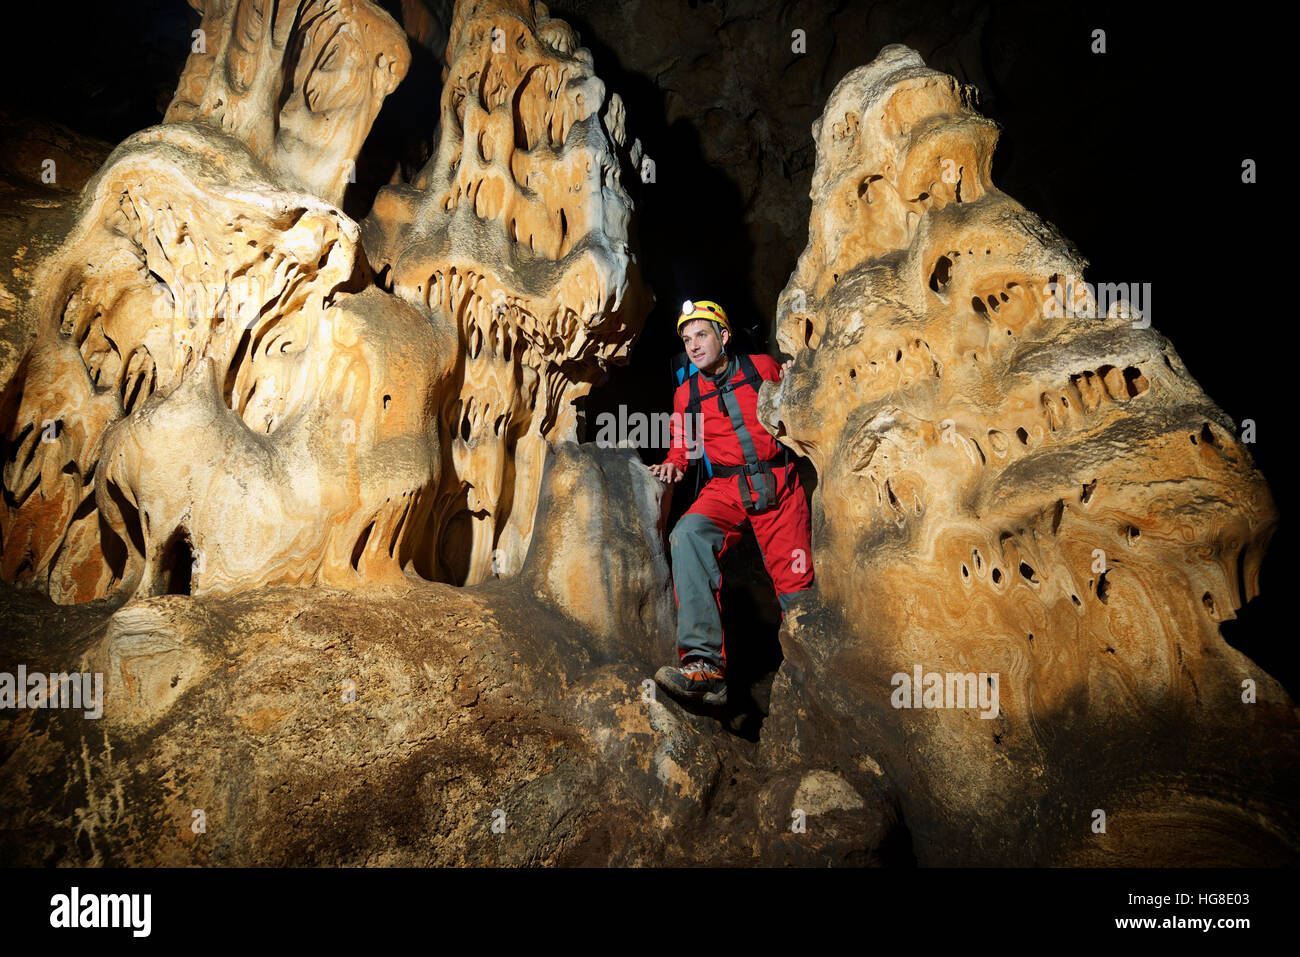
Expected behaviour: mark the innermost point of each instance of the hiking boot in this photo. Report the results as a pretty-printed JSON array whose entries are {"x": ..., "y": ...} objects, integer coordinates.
[{"x": 697, "y": 680}]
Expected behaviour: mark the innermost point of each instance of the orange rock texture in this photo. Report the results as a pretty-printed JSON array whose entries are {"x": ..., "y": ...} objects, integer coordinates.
[
  {"x": 222, "y": 394},
  {"x": 1012, "y": 485},
  {"x": 1029, "y": 520},
  {"x": 516, "y": 231}
]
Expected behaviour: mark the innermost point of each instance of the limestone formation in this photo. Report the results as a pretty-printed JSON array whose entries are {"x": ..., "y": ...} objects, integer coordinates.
[
  {"x": 1010, "y": 486},
  {"x": 414, "y": 726},
  {"x": 214, "y": 401},
  {"x": 298, "y": 83},
  {"x": 517, "y": 231},
  {"x": 237, "y": 391},
  {"x": 220, "y": 397}
]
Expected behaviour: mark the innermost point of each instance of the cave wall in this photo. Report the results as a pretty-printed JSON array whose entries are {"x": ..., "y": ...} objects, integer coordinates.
[{"x": 918, "y": 450}]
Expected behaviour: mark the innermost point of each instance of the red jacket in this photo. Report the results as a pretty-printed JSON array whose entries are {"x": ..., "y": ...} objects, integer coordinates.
[{"x": 720, "y": 442}]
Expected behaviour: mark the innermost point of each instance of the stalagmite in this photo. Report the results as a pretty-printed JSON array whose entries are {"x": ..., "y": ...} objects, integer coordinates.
[
  {"x": 1011, "y": 483},
  {"x": 221, "y": 396},
  {"x": 516, "y": 230},
  {"x": 215, "y": 401}
]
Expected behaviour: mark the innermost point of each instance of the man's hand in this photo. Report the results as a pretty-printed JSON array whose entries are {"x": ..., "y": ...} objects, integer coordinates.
[
  {"x": 785, "y": 367},
  {"x": 667, "y": 472}
]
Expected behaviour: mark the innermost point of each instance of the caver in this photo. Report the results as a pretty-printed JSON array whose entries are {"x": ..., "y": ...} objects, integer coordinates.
[{"x": 753, "y": 480}]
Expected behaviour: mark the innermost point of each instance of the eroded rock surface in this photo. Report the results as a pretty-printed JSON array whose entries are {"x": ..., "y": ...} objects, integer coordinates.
[
  {"x": 214, "y": 401},
  {"x": 1040, "y": 500},
  {"x": 221, "y": 397},
  {"x": 416, "y": 725},
  {"x": 229, "y": 394},
  {"x": 517, "y": 231}
]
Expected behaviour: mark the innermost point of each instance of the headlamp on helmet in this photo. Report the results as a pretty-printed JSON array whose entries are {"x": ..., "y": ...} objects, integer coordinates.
[{"x": 703, "y": 309}]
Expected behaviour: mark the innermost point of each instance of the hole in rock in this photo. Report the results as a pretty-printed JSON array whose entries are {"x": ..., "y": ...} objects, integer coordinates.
[
  {"x": 977, "y": 304},
  {"x": 1207, "y": 436},
  {"x": 1075, "y": 599},
  {"x": 1027, "y": 572},
  {"x": 940, "y": 274},
  {"x": 1022, "y": 435},
  {"x": 965, "y": 572},
  {"x": 997, "y": 576},
  {"x": 1135, "y": 383},
  {"x": 359, "y": 548},
  {"x": 1088, "y": 489},
  {"x": 1103, "y": 587},
  {"x": 865, "y": 186},
  {"x": 387, "y": 399},
  {"x": 1208, "y": 601},
  {"x": 176, "y": 563}
]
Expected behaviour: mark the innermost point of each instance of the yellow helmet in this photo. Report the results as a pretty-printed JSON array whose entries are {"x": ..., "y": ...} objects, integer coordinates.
[{"x": 703, "y": 309}]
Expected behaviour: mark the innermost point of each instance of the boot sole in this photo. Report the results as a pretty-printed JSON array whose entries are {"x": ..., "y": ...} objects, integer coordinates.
[{"x": 713, "y": 699}]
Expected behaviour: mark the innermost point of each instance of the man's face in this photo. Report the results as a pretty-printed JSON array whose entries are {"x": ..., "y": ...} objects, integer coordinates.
[{"x": 703, "y": 345}]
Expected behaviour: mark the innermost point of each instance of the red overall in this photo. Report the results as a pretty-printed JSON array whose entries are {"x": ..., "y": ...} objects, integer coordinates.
[{"x": 714, "y": 522}]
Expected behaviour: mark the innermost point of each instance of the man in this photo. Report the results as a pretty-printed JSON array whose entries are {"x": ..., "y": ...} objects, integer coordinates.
[{"x": 753, "y": 481}]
